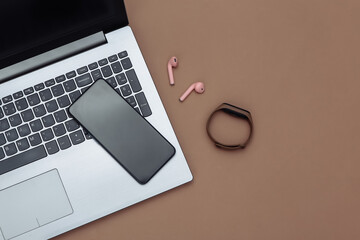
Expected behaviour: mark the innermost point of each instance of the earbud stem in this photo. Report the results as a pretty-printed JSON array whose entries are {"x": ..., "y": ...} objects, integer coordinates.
[
  {"x": 171, "y": 74},
  {"x": 187, "y": 92}
]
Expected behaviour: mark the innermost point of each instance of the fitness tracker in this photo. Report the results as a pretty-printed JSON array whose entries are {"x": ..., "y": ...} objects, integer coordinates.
[{"x": 234, "y": 112}]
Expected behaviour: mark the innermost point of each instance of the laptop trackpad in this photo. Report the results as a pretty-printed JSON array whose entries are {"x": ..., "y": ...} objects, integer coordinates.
[{"x": 33, "y": 203}]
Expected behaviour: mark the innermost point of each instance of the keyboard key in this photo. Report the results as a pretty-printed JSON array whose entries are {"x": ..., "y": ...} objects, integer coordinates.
[
  {"x": 84, "y": 89},
  {"x": 18, "y": 95},
  {"x": 10, "y": 149},
  {"x": 125, "y": 90},
  {"x": 1, "y": 113},
  {"x": 121, "y": 78},
  {"x": 71, "y": 74},
  {"x": 4, "y": 125},
  {"x": 143, "y": 104},
  {"x": 69, "y": 85},
  {"x": 29, "y": 90},
  {"x": 93, "y": 66},
  {"x": 24, "y": 130},
  {"x": 21, "y": 104},
  {"x": 35, "y": 139},
  {"x": 118, "y": 91},
  {"x": 83, "y": 80},
  {"x": 57, "y": 90},
  {"x": 103, "y": 62},
  {"x": 7, "y": 99},
  {"x": 9, "y": 109},
  {"x": 15, "y": 120},
  {"x": 112, "y": 82},
  {"x": 133, "y": 80},
  {"x": 48, "y": 121},
  {"x": 50, "y": 82},
  {"x": 126, "y": 63},
  {"x": 137, "y": 109},
  {"x": 45, "y": 95},
  {"x": 123, "y": 54},
  {"x": 96, "y": 74},
  {"x": 59, "y": 130},
  {"x": 71, "y": 125},
  {"x": 33, "y": 99},
  {"x": 51, "y": 106},
  {"x": 60, "y": 116},
  {"x": 116, "y": 67},
  {"x": 113, "y": 58},
  {"x": 39, "y": 110},
  {"x": 87, "y": 134},
  {"x": 60, "y": 78},
  {"x": 22, "y": 159},
  {"x": 106, "y": 71},
  {"x": 64, "y": 142},
  {"x": 82, "y": 70},
  {"x": 36, "y": 125},
  {"x": 131, "y": 101},
  {"x": 39, "y": 86},
  {"x": 64, "y": 101},
  {"x": 11, "y": 135},
  {"x": 2, "y": 154},
  {"x": 77, "y": 137},
  {"x": 74, "y": 95},
  {"x": 47, "y": 135},
  {"x": 27, "y": 115},
  {"x": 2, "y": 139},
  {"x": 52, "y": 147},
  {"x": 23, "y": 144}
]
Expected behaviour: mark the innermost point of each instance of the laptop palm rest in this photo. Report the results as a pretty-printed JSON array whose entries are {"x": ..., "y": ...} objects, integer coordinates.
[{"x": 32, "y": 203}]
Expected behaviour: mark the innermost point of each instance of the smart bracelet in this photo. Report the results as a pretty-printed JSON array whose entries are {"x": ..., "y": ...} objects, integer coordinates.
[{"x": 235, "y": 112}]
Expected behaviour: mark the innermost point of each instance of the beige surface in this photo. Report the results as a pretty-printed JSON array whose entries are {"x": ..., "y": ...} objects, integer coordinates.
[{"x": 295, "y": 65}]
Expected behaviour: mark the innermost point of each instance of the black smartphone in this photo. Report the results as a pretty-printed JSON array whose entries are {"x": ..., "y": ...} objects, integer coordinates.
[{"x": 131, "y": 140}]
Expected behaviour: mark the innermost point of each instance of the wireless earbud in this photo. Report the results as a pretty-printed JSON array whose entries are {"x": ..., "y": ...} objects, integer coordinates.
[
  {"x": 173, "y": 62},
  {"x": 199, "y": 87}
]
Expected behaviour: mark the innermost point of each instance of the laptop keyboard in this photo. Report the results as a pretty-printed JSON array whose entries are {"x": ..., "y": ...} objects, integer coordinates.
[{"x": 35, "y": 122}]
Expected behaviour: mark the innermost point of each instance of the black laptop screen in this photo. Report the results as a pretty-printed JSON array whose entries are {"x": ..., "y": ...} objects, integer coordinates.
[{"x": 30, "y": 27}]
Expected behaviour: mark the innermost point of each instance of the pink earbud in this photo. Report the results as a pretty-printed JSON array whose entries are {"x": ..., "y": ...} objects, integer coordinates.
[
  {"x": 199, "y": 88},
  {"x": 173, "y": 62}
]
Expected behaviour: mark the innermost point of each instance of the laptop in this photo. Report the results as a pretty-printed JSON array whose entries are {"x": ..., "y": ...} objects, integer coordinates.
[{"x": 54, "y": 176}]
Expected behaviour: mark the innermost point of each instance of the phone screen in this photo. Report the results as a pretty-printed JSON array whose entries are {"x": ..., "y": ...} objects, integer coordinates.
[{"x": 125, "y": 134}]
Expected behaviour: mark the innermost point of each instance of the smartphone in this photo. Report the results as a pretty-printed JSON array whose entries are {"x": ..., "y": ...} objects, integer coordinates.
[{"x": 128, "y": 137}]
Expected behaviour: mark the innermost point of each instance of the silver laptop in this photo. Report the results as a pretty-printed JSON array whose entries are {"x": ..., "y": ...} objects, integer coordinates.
[{"x": 53, "y": 175}]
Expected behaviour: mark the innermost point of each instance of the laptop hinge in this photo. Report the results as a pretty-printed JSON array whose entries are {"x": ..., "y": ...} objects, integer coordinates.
[{"x": 52, "y": 56}]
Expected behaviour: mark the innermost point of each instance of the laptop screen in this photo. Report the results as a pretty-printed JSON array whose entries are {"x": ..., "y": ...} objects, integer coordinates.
[{"x": 31, "y": 27}]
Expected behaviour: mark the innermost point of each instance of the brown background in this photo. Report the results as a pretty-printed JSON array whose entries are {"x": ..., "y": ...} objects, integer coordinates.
[{"x": 295, "y": 65}]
